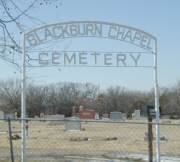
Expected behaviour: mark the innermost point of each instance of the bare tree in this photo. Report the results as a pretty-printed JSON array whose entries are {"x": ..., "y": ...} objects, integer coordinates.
[
  {"x": 10, "y": 96},
  {"x": 18, "y": 15}
]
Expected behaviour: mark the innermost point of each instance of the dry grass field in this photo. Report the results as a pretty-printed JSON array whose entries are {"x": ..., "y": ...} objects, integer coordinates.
[{"x": 49, "y": 139}]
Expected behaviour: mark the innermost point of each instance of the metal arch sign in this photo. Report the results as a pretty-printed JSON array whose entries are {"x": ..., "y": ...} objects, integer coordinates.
[{"x": 88, "y": 29}]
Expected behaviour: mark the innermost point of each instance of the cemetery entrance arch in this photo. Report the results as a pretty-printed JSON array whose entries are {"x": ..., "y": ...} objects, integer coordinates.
[{"x": 88, "y": 29}]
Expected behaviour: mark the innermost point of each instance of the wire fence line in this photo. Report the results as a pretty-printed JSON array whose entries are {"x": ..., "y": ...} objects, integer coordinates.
[{"x": 79, "y": 140}]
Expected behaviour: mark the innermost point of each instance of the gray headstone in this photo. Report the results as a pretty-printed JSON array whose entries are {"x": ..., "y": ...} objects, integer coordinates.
[
  {"x": 136, "y": 114},
  {"x": 41, "y": 115},
  {"x": 9, "y": 116},
  {"x": 55, "y": 117},
  {"x": 72, "y": 124},
  {"x": 1, "y": 115},
  {"x": 105, "y": 115},
  {"x": 116, "y": 115},
  {"x": 124, "y": 116},
  {"x": 36, "y": 117}
]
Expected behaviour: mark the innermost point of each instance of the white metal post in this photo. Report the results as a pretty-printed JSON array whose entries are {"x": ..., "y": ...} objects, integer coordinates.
[
  {"x": 156, "y": 94},
  {"x": 23, "y": 103}
]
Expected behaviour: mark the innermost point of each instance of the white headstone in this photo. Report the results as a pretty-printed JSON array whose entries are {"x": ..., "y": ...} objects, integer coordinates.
[
  {"x": 97, "y": 116},
  {"x": 81, "y": 108}
]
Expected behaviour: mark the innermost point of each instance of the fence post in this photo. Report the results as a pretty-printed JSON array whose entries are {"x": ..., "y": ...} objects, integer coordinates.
[
  {"x": 10, "y": 140},
  {"x": 150, "y": 139},
  {"x": 150, "y": 114}
]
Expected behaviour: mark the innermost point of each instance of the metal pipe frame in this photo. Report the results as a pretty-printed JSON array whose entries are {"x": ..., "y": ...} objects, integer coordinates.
[{"x": 23, "y": 86}]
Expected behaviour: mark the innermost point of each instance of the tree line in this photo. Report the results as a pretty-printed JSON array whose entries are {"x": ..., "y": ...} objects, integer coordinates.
[{"x": 59, "y": 98}]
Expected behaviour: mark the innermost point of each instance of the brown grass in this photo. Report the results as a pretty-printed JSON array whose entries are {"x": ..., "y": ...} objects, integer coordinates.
[{"x": 97, "y": 139}]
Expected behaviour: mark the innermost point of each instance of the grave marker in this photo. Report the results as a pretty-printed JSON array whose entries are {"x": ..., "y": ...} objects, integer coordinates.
[
  {"x": 72, "y": 124},
  {"x": 116, "y": 115},
  {"x": 1, "y": 115}
]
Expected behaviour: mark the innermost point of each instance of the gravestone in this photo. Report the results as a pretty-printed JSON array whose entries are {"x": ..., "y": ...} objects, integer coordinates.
[
  {"x": 16, "y": 115},
  {"x": 36, "y": 117},
  {"x": 41, "y": 115},
  {"x": 97, "y": 116},
  {"x": 55, "y": 117},
  {"x": 9, "y": 116},
  {"x": 124, "y": 116},
  {"x": 116, "y": 115},
  {"x": 81, "y": 108},
  {"x": 74, "y": 111},
  {"x": 72, "y": 124},
  {"x": 105, "y": 115},
  {"x": 136, "y": 114},
  {"x": 1, "y": 115}
]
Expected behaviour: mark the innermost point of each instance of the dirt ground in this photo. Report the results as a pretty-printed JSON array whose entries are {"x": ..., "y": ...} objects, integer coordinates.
[{"x": 49, "y": 139}]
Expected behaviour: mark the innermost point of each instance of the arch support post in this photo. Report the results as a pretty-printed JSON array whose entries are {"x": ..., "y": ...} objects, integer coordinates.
[
  {"x": 23, "y": 102},
  {"x": 156, "y": 95}
]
